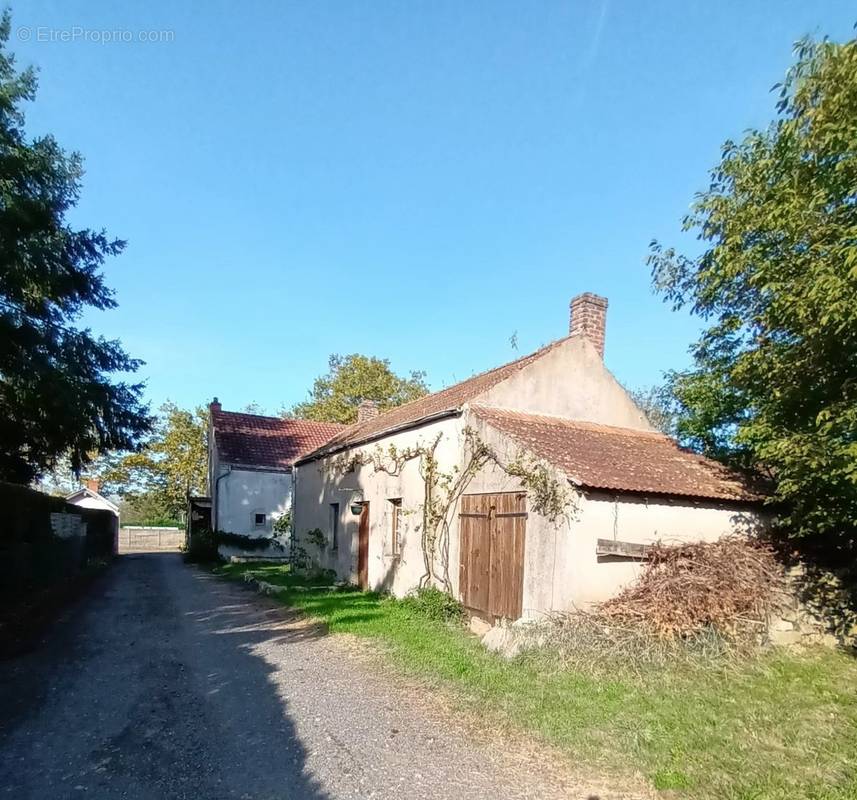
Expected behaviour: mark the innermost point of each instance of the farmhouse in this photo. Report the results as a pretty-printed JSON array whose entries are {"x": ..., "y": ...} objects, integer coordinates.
[
  {"x": 250, "y": 460},
  {"x": 530, "y": 488}
]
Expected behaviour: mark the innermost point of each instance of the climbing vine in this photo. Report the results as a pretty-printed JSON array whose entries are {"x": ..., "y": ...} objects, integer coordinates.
[{"x": 548, "y": 496}]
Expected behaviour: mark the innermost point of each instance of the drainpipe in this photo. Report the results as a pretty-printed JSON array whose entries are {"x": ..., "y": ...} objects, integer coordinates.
[{"x": 217, "y": 496}]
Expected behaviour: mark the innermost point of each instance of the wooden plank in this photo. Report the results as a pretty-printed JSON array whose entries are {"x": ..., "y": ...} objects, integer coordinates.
[
  {"x": 508, "y": 528},
  {"x": 475, "y": 547},
  {"x": 363, "y": 548},
  {"x": 611, "y": 547}
]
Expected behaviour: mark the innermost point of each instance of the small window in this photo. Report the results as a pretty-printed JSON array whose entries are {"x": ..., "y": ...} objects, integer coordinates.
[
  {"x": 259, "y": 520},
  {"x": 334, "y": 526},
  {"x": 396, "y": 525}
]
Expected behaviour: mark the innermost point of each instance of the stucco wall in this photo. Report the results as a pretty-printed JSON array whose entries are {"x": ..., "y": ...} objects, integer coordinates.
[
  {"x": 318, "y": 485},
  {"x": 569, "y": 381},
  {"x": 575, "y": 577},
  {"x": 241, "y": 494}
]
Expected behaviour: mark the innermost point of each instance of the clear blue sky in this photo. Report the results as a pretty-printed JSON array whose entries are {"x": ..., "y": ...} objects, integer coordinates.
[{"x": 412, "y": 180}]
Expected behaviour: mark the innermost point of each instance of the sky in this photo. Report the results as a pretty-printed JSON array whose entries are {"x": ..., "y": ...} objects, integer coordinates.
[{"x": 417, "y": 181}]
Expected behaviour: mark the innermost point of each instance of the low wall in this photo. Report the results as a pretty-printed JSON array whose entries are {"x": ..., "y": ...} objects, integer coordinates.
[
  {"x": 45, "y": 540},
  {"x": 134, "y": 539}
]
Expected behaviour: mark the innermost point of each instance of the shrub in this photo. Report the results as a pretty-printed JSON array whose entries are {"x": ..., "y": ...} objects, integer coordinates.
[
  {"x": 247, "y": 542},
  {"x": 434, "y": 604},
  {"x": 202, "y": 548}
]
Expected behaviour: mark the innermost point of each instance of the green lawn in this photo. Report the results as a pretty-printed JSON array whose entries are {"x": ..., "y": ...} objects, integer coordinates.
[{"x": 781, "y": 727}]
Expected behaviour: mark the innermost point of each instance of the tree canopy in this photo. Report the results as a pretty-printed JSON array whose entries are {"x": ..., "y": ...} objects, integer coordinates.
[
  {"x": 58, "y": 393},
  {"x": 172, "y": 464},
  {"x": 656, "y": 402},
  {"x": 352, "y": 379},
  {"x": 774, "y": 380}
]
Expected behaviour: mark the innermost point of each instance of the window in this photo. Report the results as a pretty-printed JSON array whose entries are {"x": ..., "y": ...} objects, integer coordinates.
[
  {"x": 334, "y": 526},
  {"x": 396, "y": 525},
  {"x": 259, "y": 520}
]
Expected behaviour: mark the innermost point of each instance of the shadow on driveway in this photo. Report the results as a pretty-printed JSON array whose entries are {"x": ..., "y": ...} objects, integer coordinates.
[{"x": 153, "y": 687}]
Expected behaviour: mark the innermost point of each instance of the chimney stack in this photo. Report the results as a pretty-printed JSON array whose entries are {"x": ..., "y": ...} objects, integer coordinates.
[
  {"x": 368, "y": 409},
  {"x": 92, "y": 484},
  {"x": 588, "y": 318},
  {"x": 214, "y": 405}
]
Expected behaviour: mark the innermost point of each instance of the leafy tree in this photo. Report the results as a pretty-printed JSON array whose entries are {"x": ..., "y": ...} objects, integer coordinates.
[
  {"x": 172, "y": 464},
  {"x": 147, "y": 509},
  {"x": 774, "y": 381},
  {"x": 62, "y": 480},
  {"x": 352, "y": 379},
  {"x": 57, "y": 392},
  {"x": 658, "y": 404}
]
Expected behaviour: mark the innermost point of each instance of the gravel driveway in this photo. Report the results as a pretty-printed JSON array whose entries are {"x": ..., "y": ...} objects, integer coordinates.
[{"x": 168, "y": 683}]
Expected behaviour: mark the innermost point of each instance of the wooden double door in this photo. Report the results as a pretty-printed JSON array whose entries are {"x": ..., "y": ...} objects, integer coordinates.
[{"x": 492, "y": 530}]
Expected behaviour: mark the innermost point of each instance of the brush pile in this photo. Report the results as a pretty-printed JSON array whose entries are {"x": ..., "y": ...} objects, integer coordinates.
[{"x": 727, "y": 586}]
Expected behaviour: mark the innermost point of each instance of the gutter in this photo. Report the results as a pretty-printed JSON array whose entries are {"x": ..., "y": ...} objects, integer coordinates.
[
  {"x": 216, "y": 502},
  {"x": 405, "y": 426}
]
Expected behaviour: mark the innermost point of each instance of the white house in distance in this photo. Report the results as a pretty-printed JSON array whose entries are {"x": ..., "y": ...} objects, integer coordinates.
[
  {"x": 250, "y": 460},
  {"x": 88, "y": 496},
  {"x": 576, "y": 485}
]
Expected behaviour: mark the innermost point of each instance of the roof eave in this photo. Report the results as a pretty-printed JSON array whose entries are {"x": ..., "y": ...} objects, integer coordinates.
[
  {"x": 255, "y": 467},
  {"x": 94, "y": 495},
  {"x": 323, "y": 452},
  {"x": 706, "y": 498}
]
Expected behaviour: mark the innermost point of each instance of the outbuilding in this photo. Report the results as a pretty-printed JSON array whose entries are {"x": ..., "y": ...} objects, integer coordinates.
[{"x": 532, "y": 488}]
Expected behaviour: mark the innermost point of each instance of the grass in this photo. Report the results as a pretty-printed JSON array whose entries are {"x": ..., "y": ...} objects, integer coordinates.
[{"x": 779, "y": 727}]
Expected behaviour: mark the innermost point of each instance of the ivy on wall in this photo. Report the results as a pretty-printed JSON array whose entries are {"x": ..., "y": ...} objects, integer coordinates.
[{"x": 547, "y": 496}]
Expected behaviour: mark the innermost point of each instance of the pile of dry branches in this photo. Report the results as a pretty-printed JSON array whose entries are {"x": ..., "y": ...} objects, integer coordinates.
[{"x": 727, "y": 586}]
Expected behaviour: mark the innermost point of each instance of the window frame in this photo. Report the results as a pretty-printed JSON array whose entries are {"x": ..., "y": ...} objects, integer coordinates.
[
  {"x": 395, "y": 526},
  {"x": 256, "y": 523},
  {"x": 334, "y": 525}
]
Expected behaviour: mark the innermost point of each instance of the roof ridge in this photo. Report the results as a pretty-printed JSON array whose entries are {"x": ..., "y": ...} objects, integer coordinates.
[
  {"x": 282, "y": 419},
  {"x": 573, "y": 422},
  {"x": 484, "y": 372},
  {"x": 247, "y": 414},
  {"x": 351, "y": 435}
]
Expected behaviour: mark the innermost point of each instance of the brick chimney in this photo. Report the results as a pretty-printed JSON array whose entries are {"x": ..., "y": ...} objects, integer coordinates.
[
  {"x": 368, "y": 409},
  {"x": 214, "y": 405},
  {"x": 92, "y": 484},
  {"x": 588, "y": 318}
]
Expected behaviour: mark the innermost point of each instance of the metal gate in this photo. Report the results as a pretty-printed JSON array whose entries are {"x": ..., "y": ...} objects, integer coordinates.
[{"x": 492, "y": 534}]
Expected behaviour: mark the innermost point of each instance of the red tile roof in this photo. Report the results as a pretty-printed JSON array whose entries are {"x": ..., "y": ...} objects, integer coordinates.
[
  {"x": 267, "y": 442},
  {"x": 446, "y": 400},
  {"x": 620, "y": 459}
]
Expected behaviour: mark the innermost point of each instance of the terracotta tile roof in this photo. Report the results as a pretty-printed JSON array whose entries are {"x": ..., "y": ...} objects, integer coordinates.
[
  {"x": 619, "y": 459},
  {"x": 255, "y": 441},
  {"x": 446, "y": 400}
]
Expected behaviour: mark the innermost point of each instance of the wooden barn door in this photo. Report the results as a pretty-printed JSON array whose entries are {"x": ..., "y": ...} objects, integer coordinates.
[
  {"x": 492, "y": 530},
  {"x": 363, "y": 548}
]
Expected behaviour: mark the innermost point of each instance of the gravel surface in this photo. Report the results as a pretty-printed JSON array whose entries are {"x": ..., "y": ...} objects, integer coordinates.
[{"x": 168, "y": 683}]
